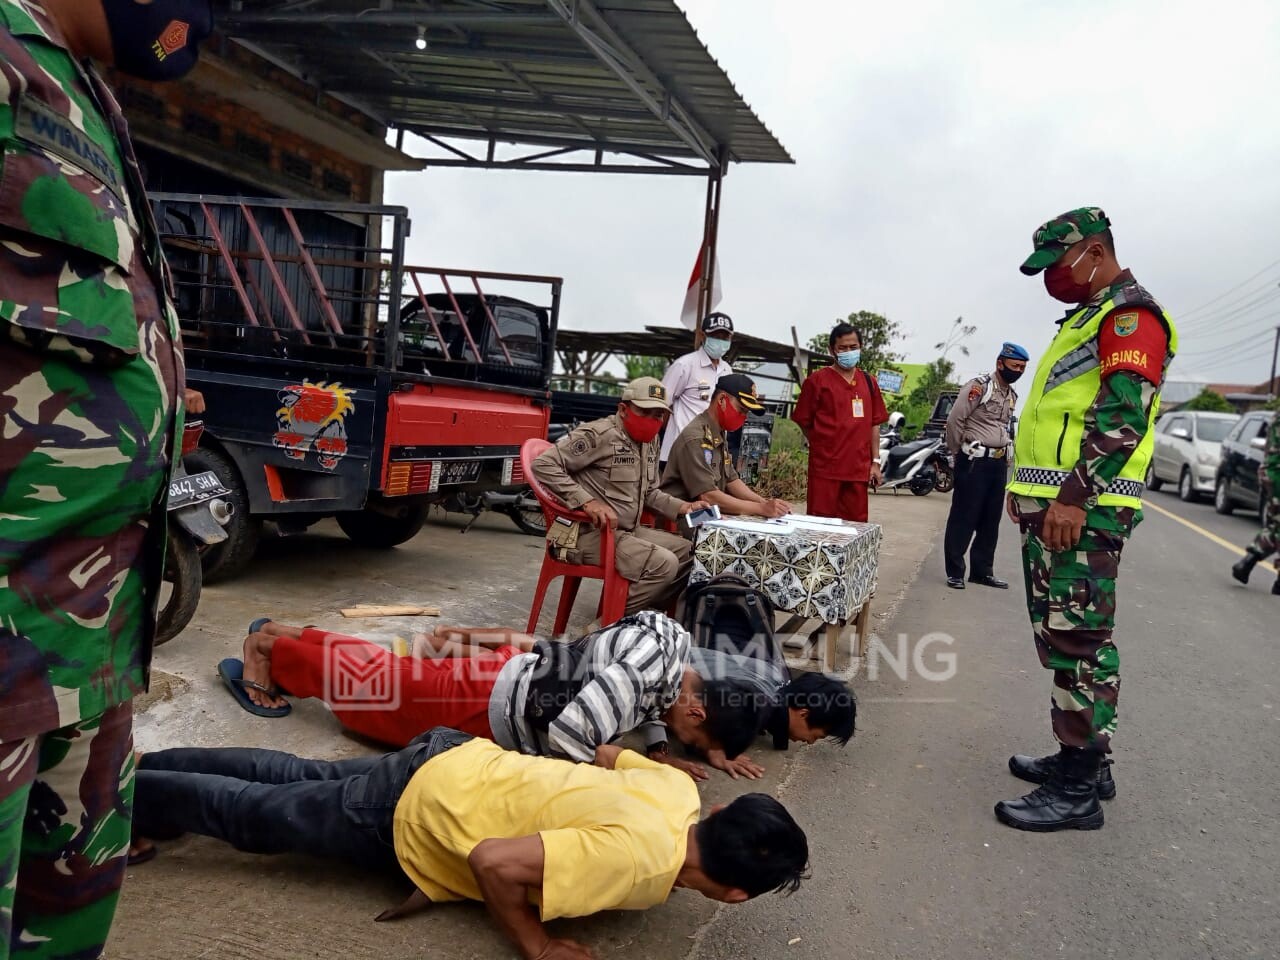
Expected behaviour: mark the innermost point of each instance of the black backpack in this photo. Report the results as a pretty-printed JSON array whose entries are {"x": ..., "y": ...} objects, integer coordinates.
[{"x": 728, "y": 614}]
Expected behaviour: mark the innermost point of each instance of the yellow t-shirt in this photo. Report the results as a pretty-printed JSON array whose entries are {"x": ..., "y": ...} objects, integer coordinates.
[{"x": 612, "y": 839}]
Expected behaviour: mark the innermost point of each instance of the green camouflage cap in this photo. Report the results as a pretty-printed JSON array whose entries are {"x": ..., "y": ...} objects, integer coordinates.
[{"x": 1052, "y": 239}]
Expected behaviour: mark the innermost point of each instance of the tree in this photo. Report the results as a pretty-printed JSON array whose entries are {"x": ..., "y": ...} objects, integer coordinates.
[
  {"x": 960, "y": 332},
  {"x": 878, "y": 333},
  {"x": 1207, "y": 399},
  {"x": 644, "y": 366},
  {"x": 607, "y": 385},
  {"x": 935, "y": 382}
]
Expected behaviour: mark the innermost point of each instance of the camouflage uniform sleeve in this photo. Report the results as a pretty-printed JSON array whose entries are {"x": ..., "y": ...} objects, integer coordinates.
[
  {"x": 1272, "y": 459},
  {"x": 1113, "y": 428}
]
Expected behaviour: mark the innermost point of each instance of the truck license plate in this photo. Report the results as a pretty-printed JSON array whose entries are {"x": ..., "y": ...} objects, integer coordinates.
[
  {"x": 197, "y": 488},
  {"x": 453, "y": 472}
]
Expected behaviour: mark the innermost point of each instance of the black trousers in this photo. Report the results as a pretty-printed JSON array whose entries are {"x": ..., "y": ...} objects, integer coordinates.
[
  {"x": 977, "y": 504},
  {"x": 264, "y": 801}
]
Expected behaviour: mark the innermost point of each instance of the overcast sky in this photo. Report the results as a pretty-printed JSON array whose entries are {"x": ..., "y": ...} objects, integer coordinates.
[{"x": 930, "y": 139}]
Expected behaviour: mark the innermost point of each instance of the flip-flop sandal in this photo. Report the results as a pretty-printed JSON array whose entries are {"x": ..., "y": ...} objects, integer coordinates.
[
  {"x": 145, "y": 855},
  {"x": 257, "y": 625},
  {"x": 231, "y": 670}
]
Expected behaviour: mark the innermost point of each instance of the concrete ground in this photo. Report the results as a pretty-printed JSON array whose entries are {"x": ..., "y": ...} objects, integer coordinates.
[{"x": 203, "y": 899}]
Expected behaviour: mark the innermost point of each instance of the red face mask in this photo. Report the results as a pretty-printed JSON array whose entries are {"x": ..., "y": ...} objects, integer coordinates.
[
  {"x": 1060, "y": 284},
  {"x": 640, "y": 428},
  {"x": 729, "y": 418}
]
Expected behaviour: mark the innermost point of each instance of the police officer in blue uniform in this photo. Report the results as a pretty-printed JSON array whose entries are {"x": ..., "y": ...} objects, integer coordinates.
[{"x": 978, "y": 436}]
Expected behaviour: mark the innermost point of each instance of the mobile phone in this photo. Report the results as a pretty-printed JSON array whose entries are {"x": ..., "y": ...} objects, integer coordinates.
[{"x": 697, "y": 518}]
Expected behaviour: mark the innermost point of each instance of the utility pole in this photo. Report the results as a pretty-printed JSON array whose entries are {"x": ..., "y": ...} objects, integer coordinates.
[{"x": 1275, "y": 351}]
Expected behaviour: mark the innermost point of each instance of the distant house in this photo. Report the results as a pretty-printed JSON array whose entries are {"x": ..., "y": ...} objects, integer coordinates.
[{"x": 1242, "y": 396}]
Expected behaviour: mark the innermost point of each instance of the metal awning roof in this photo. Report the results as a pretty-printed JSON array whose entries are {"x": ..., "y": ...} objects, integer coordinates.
[
  {"x": 672, "y": 342},
  {"x": 607, "y": 76}
]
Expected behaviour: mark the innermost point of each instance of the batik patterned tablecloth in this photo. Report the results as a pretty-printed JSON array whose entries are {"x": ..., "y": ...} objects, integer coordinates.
[{"x": 814, "y": 568}]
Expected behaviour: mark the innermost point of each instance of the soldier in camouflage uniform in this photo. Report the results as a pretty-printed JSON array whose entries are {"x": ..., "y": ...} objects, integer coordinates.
[
  {"x": 90, "y": 371},
  {"x": 1083, "y": 446},
  {"x": 1267, "y": 541}
]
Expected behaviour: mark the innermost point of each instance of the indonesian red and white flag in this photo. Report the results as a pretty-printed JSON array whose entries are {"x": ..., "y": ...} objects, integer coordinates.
[{"x": 689, "y": 312}]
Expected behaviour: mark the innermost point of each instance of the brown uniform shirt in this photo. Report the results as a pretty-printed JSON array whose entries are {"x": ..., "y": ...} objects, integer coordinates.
[
  {"x": 599, "y": 461},
  {"x": 981, "y": 414},
  {"x": 699, "y": 461}
]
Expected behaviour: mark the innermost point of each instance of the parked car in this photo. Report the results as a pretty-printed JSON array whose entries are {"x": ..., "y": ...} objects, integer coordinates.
[
  {"x": 1242, "y": 453},
  {"x": 936, "y": 425},
  {"x": 1188, "y": 446}
]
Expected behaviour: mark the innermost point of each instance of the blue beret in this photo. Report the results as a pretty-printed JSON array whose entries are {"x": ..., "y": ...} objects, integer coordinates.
[{"x": 1012, "y": 351}]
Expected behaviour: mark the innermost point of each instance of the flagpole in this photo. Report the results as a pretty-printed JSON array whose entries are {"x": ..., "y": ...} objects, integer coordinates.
[{"x": 710, "y": 237}]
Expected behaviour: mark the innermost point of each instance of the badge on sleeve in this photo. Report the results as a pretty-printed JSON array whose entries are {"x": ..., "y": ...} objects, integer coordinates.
[
  {"x": 1126, "y": 323},
  {"x": 858, "y": 412},
  {"x": 709, "y": 456}
]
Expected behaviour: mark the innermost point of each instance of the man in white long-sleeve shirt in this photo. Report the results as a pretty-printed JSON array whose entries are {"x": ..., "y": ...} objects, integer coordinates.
[{"x": 691, "y": 379}]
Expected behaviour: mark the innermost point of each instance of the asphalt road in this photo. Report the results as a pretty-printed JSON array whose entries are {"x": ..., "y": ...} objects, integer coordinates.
[{"x": 908, "y": 859}]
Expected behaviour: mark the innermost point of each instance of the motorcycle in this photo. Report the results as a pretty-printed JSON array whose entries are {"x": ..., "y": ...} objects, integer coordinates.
[
  {"x": 198, "y": 511},
  {"x": 520, "y": 505},
  {"x": 921, "y": 465}
]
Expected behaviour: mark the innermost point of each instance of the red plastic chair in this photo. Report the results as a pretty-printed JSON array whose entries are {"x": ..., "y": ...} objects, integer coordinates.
[{"x": 613, "y": 595}]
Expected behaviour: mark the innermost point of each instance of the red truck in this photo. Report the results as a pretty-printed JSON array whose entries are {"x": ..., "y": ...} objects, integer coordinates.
[{"x": 340, "y": 382}]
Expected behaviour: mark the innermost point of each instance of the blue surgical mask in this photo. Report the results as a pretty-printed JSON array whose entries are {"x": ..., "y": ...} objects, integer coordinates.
[
  {"x": 715, "y": 347},
  {"x": 848, "y": 359}
]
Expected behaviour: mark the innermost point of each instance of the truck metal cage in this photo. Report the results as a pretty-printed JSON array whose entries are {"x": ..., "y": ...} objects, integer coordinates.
[{"x": 327, "y": 283}]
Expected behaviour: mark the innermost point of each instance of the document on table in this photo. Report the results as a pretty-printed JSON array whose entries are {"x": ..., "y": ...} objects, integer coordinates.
[
  {"x": 754, "y": 525},
  {"x": 805, "y": 520}
]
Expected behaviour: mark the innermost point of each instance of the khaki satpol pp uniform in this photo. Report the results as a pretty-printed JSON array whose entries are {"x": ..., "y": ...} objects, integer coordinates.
[
  {"x": 700, "y": 460},
  {"x": 600, "y": 461}
]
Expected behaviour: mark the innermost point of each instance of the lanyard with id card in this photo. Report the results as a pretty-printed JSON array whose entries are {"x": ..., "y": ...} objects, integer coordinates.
[{"x": 858, "y": 411}]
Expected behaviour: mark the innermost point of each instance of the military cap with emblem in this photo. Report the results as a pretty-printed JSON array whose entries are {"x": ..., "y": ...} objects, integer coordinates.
[
  {"x": 1052, "y": 239},
  {"x": 743, "y": 389},
  {"x": 648, "y": 393},
  {"x": 716, "y": 322}
]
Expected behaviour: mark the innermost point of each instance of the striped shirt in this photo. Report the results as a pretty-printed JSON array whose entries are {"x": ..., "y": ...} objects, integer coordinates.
[{"x": 633, "y": 671}]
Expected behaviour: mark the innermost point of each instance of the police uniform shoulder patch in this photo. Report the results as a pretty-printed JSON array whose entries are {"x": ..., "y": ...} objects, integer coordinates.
[
  {"x": 1125, "y": 323},
  {"x": 975, "y": 391},
  {"x": 583, "y": 445}
]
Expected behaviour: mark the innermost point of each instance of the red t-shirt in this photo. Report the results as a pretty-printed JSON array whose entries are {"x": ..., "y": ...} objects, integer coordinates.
[{"x": 839, "y": 419}]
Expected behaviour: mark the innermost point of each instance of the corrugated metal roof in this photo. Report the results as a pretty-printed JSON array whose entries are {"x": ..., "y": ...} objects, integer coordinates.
[
  {"x": 628, "y": 76},
  {"x": 672, "y": 342}
]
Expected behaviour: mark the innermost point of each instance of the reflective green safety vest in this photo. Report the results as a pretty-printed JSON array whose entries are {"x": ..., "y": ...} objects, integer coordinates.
[{"x": 1066, "y": 382}]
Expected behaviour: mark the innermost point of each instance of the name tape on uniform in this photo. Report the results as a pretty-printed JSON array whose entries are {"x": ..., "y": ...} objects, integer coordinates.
[{"x": 42, "y": 126}]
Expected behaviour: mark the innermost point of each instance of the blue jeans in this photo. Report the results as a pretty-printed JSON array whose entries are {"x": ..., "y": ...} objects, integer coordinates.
[{"x": 264, "y": 801}]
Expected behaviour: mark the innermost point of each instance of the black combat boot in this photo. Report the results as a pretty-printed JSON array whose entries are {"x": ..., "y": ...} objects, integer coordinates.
[
  {"x": 1244, "y": 566},
  {"x": 1068, "y": 800},
  {"x": 1037, "y": 770}
]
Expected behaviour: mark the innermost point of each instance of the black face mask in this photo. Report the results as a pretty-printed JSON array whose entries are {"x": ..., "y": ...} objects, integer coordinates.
[
  {"x": 158, "y": 40},
  {"x": 1010, "y": 376}
]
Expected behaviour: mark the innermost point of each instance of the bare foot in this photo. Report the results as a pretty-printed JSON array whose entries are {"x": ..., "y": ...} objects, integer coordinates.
[
  {"x": 140, "y": 850},
  {"x": 257, "y": 669}
]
